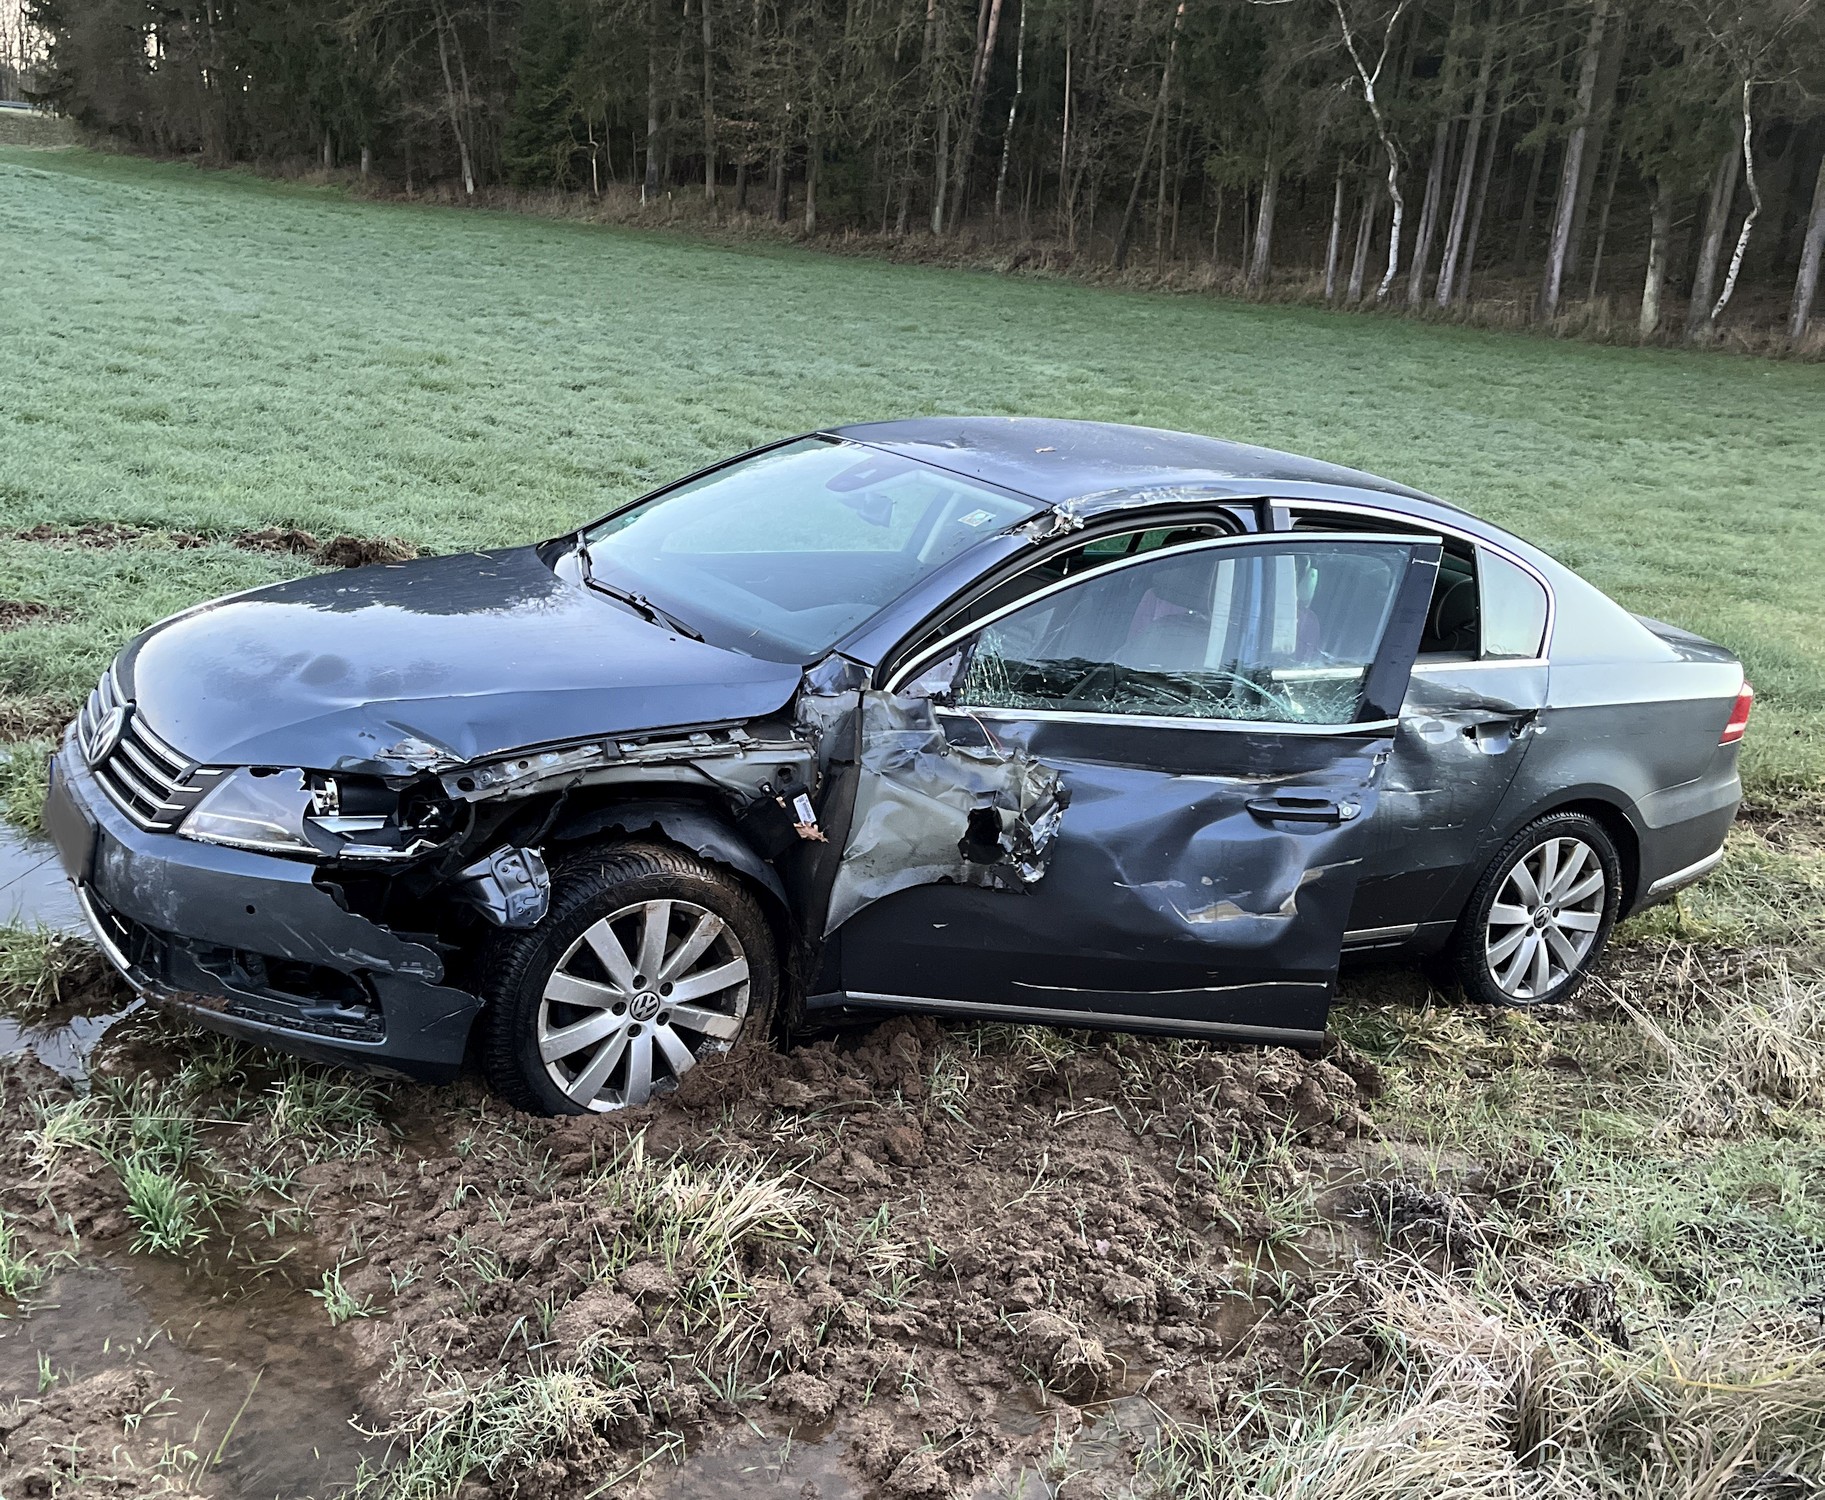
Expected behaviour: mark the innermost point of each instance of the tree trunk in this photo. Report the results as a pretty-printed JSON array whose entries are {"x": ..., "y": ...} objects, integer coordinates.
[
  {"x": 1531, "y": 198},
  {"x": 987, "y": 28},
  {"x": 1428, "y": 213},
  {"x": 1717, "y": 217},
  {"x": 1460, "y": 289},
  {"x": 1466, "y": 176},
  {"x": 1365, "y": 229},
  {"x": 329, "y": 152},
  {"x": 1336, "y": 241},
  {"x": 1159, "y": 207},
  {"x": 649, "y": 186},
  {"x": 1806, "y": 286},
  {"x": 941, "y": 169},
  {"x": 812, "y": 153},
  {"x": 1020, "y": 83},
  {"x": 782, "y": 191},
  {"x": 1369, "y": 80},
  {"x": 928, "y": 68},
  {"x": 1755, "y": 209},
  {"x": 1603, "y": 110},
  {"x": 1153, "y": 129},
  {"x": 1660, "y": 235},
  {"x": 367, "y": 157},
  {"x": 456, "y": 114},
  {"x": 1603, "y": 223},
  {"x": 1571, "y": 173},
  {"x": 1260, "y": 258},
  {"x": 1067, "y": 208},
  {"x": 709, "y": 111}
]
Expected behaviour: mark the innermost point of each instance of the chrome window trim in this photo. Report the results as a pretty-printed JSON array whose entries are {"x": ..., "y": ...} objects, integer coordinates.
[
  {"x": 1382, "y": 513},
  {"x": 1482, "y": 663},
  {"x": 1364, "y": 727},
  {"x": 932, "y": 653}
]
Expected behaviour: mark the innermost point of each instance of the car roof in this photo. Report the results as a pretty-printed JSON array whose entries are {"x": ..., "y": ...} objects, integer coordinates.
[{"x": 1058, "y": 461}]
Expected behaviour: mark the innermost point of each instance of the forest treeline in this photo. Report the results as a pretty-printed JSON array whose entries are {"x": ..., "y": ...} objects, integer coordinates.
[{"x": 1661, "y": 159}]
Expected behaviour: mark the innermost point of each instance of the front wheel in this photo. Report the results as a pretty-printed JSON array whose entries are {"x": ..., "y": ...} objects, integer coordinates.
[
  {"x": 647, "y": 964},
  {"x": 1539, "y": 918}
]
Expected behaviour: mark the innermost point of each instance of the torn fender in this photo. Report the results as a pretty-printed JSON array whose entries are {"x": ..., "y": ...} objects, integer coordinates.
[{"x": 928, "y": 811}]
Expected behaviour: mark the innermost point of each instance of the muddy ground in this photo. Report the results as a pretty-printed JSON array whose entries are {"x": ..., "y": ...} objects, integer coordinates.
[
  {"x": 956, "y": 1241},
  {"x": 911, "y": 1260}
]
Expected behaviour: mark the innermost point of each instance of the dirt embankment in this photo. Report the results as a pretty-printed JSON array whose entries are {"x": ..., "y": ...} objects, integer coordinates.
[{"x": 340, "y": 551}]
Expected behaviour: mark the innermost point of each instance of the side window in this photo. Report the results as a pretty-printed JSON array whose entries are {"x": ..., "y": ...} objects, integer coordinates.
[
  {"x": 1454, "y": 617},
  {"x": 1283, "y": 632},
  {"x": 1514, "y": 608},
  {"x": 1070, "y": 562}
]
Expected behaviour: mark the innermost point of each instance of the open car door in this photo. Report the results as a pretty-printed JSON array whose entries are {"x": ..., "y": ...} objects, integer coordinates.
[{"x": 1195, "y": 738}]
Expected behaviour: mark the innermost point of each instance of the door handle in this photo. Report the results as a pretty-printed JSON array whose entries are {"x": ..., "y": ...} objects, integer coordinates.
[{"x": 1304, "y": 807}]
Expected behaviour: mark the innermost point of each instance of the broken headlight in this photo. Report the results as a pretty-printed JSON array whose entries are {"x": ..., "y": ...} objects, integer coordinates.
[
  {"x": 293, "y": 812},
  {"x": 254, "y": 808},
  {"x": 367, "y": 818}
]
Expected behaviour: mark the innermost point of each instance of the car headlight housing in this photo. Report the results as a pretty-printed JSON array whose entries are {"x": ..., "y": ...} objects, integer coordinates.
[{"x": 254, "y": 808}]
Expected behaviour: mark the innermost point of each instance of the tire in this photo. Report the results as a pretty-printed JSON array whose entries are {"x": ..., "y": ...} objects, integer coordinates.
[
  {"x": 612, "y": 1036},
  {"x": 1511, "y": 947}
]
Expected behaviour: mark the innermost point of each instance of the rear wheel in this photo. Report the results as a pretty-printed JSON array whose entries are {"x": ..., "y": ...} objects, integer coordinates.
[
  {"x": 648, "y": 964},
  {"x": 1540, "y": 916}
]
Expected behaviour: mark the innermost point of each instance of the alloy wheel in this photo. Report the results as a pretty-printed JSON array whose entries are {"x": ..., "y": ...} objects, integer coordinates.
[
  {"x": 638, "y": 1000},
  {"x": 1545, "y": 918}
]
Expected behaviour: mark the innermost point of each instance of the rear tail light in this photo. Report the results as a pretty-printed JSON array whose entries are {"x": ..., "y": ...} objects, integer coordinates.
[{"x": 1739, "y": 716}]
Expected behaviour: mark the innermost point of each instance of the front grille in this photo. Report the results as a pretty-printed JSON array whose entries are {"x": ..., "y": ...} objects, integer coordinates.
[{"x": 148, "y": 780}]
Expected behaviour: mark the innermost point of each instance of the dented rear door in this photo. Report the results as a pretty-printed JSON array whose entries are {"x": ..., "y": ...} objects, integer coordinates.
[{"x": 1140, "y": 797}]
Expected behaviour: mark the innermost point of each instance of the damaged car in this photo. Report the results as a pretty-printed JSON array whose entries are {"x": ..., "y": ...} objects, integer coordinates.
[{"x": 1009, "y": 719}]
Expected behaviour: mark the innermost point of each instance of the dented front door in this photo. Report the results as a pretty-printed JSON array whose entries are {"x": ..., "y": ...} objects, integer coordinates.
[{"x": 1140, "y": 797}]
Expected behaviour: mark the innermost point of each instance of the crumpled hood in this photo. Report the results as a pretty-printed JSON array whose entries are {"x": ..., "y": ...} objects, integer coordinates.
[{"x": 475, "y": 655}]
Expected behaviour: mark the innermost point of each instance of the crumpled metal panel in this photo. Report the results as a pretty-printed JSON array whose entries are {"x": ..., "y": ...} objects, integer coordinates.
[{"x": 928, "y": 811}]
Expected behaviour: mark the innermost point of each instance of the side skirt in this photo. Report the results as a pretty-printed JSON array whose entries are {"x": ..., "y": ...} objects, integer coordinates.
[{"x": 1042, "y": 1015}]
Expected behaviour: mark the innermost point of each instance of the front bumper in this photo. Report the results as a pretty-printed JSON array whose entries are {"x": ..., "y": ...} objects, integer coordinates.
[{"x": 246, "y": 944}]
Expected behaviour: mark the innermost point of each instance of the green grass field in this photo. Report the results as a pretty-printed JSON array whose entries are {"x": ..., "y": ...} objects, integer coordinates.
[{"x": 211, "y": 351}]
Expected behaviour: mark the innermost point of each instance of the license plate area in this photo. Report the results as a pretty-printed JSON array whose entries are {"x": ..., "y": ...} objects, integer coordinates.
[{"x": 70, "y": 828}]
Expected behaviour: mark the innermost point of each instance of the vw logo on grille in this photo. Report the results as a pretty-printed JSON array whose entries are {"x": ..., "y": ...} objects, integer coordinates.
[{"x": 102, "y": 739}]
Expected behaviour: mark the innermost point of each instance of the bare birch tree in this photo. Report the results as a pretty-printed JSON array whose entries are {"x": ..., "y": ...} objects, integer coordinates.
[{"x": 1369, "y": 79}]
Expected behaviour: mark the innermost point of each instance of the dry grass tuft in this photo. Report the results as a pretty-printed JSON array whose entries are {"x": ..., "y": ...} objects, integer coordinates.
[
  {"x": 1488, "y": 1392},
  {"x": 1731, "y": 1054}
]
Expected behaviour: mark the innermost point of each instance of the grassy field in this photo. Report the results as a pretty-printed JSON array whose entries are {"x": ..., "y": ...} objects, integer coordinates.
[{"x": 211, "y": 351}]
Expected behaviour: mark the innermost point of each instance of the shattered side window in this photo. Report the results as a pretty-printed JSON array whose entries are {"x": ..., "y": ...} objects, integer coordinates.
[{"x": 1281, "y": 633}]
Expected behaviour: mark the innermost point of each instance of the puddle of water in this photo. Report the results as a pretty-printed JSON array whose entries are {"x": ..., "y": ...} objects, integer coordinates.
[
  {"x": 291, "y": 1439},
  {"x": 62, "y": 1046},
  {"x": 752, "y": 1463},
  {"x": 33, "y": 888}
]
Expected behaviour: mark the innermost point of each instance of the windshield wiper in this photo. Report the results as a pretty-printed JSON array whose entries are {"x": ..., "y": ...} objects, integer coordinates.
[{"x": 637, "y": 602}]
